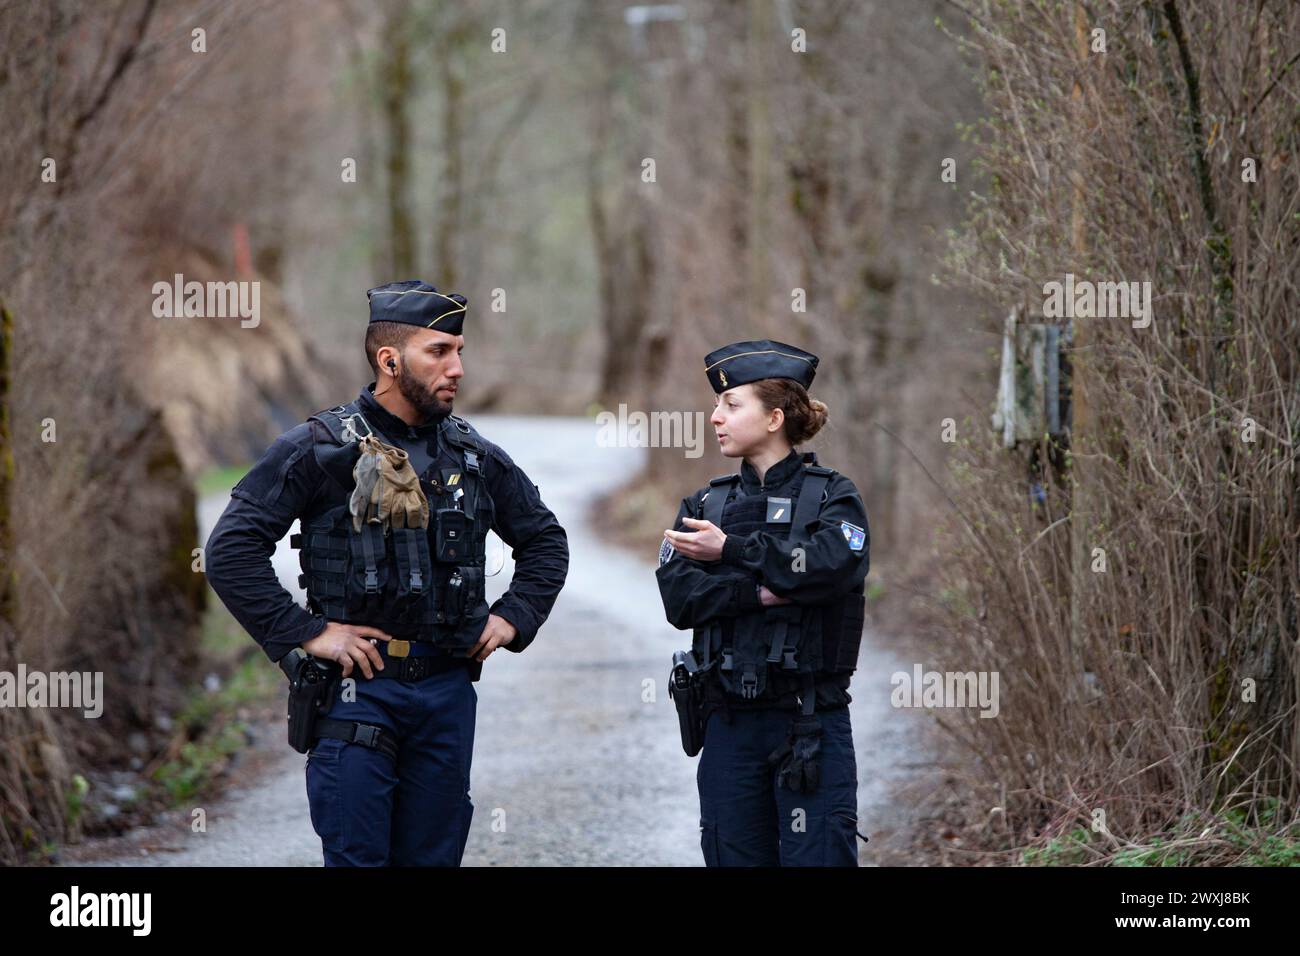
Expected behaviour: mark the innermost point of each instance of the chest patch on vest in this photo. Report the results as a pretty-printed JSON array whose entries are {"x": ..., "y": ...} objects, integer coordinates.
[
  {"x": 778, "y": 510},
  {"x": 854, "y": 535}
]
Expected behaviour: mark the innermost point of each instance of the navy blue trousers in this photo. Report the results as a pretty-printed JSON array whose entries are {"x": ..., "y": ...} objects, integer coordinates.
[
  {"x": 747, "y": 820},
  {"x": 368, "y": 810}
]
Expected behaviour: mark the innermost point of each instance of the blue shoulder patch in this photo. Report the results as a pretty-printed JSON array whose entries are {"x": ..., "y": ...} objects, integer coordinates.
[
  {"x": 666, "y": 552},
  {"x": 855, "y": 536}
]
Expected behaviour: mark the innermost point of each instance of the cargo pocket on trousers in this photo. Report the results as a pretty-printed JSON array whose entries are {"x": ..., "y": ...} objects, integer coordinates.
[
  {"x": 324, "y": 797},
  {"x": 841, "y": 838}
]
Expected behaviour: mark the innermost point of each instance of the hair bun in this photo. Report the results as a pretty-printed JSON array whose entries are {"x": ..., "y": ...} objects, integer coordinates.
[{"x": 818, "y": 413}]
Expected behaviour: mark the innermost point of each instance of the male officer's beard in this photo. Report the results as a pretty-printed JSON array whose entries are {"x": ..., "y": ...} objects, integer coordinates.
[{"x": 423, "y": 398}]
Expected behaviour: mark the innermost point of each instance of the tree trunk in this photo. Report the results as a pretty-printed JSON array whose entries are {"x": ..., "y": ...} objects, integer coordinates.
[{"x": 395, "y": 83}]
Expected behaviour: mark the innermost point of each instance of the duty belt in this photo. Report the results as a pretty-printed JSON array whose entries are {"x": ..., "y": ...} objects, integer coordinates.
[{"x": 415, "y": 660}]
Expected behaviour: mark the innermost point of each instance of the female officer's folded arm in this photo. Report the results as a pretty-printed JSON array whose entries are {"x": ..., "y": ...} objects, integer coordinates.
[
  {"x": 694, "y": 592},
  {"x": 828, "y": 566}
]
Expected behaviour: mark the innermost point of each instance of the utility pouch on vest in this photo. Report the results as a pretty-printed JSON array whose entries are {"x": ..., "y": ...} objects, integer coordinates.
[
  {"x": 325, "y": 548},
  {"x": 843, "y": 632},
  {"x": 473, "y": 579},
  {"x": 369, "y": 571},
  {"x": 461, "y": 594},
  {"x": 312, "y": 685},
  {"x": 742, "y": 669},
  {"x": 414, "y": 569},
  {"x": 452, "y": 535}
]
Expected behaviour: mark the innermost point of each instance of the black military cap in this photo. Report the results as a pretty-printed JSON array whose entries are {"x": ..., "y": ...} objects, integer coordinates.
[
  {"x": 744, "y": 362},
  {"x": 417, "y": 303}
]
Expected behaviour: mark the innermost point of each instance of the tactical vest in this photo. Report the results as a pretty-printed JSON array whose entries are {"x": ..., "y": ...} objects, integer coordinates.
[
  {"x": 414, "y": 583},
  {"x": 790, "y": 639}
]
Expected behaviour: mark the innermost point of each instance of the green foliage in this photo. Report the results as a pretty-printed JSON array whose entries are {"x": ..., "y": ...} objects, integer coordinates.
[
  {"x": 1067, "y": 850},
  {"x": 211, "y": 719},
  {"x": 253, "y": 682},
  {"x": 956, "y": 603},
  {"x": 215, "y": 480},
  {"x": 1194, "y": 841},
  {"x": 199, "y": 761},
  {"x": 1157, "y": 854},
  {"x": 75, "y": 799},
  {"x": 222, "y": 639}
]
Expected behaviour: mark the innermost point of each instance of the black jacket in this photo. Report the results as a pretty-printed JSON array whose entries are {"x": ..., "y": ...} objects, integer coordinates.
[
  {"x": 695, "y": 592},
  {"x": 287, "y": 483}
]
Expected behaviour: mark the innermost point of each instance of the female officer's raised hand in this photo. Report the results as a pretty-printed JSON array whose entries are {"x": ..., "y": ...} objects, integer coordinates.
[{"x": 704, "y": 544}]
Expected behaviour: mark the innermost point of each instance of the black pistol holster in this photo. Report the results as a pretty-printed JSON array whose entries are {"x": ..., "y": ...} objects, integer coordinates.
[
  {"x": 313, "y": 685},
  {"x": 685, "y": 690}
]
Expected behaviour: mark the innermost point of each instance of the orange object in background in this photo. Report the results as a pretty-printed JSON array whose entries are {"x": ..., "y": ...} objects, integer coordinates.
[{"x": 243, "y": 250}]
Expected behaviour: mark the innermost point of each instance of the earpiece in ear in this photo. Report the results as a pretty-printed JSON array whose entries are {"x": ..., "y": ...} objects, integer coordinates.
[{"x": 392, "y": 364}]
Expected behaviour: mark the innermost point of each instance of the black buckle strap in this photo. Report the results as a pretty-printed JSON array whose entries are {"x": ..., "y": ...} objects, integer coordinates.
[
  {"x": 779, "y": 652},
  {"x": 778, "y": 642},
  {"x": 808, "y": 695},
  {"x": 413, "y": 555},
  {"x": 720, "y": 491},
  {"x": 355, "y": 732},
  {"x": 809, "y": 505},
  {"x": 471, "y": 449},
  {"x": 368, "y": 531},
  {"x": 332, "y": 419}
]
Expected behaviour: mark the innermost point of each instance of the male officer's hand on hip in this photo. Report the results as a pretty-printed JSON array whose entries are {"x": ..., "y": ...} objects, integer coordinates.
[
  {"x": 345, "y": 643},
  {"x": 497, "y": 633}
]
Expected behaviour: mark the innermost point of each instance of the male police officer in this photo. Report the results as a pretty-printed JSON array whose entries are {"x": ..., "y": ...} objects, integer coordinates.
[{"x": 394, "y": 601}]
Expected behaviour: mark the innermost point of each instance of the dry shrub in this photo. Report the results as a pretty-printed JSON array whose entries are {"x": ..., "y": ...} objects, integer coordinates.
[{"x": 1137, "y": 699}]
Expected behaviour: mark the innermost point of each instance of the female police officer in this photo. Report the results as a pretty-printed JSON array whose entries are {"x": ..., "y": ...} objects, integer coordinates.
[{"x": 767, "y": 568}]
